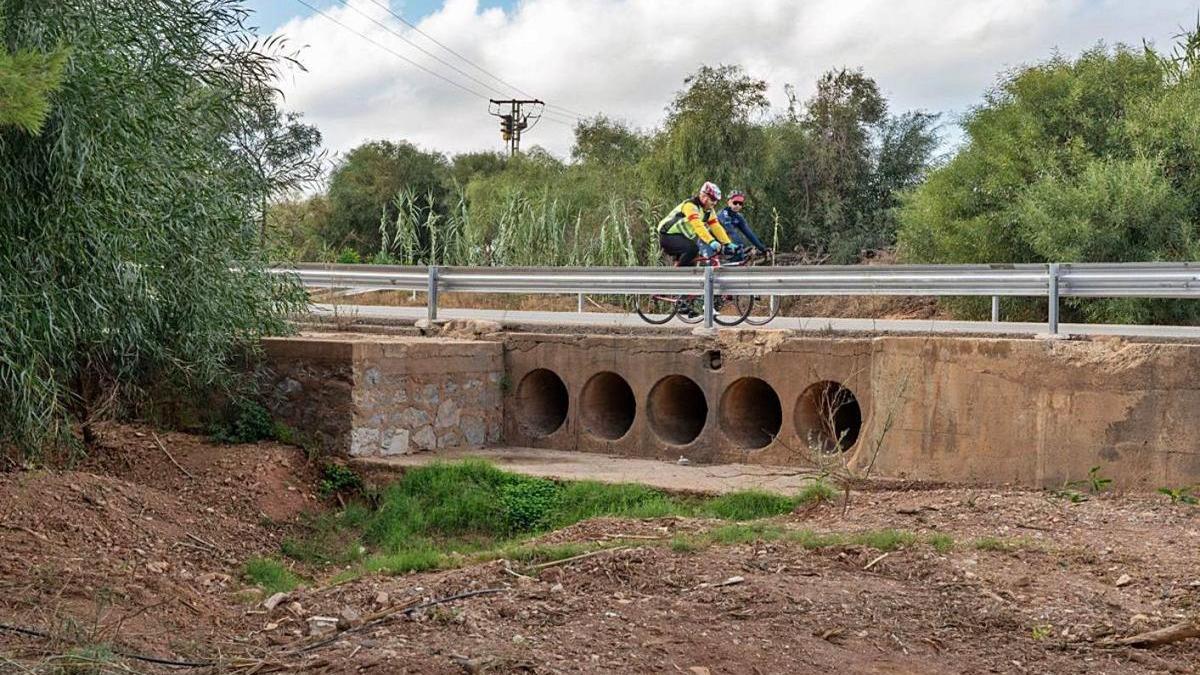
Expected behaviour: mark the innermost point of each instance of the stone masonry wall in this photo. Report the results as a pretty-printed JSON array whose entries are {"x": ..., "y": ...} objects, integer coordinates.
[{"x": 385, "y": 395}]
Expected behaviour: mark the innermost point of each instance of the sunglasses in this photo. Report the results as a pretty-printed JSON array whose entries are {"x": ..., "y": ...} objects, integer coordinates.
[{"x": 736, "y": 203}]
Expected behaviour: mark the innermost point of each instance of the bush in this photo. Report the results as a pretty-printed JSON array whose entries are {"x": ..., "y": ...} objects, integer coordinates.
[
  {"x": 244, "y": 421},
  {"x": 1086, "y": 160},
  {"x": 128, "y": 225},
  {"x": 339, "y": 479}
]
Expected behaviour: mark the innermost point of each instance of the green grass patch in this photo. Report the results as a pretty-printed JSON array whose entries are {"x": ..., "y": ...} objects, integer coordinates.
[
  {"x": 884, "y": 540},
  {"x": 685, "y": 544},
  {"x": 749, "y": 505},
  {"x": 741, "y": 533},
  {"x": 816, "y": 492},
  {"x": 942, "y": 543},
  {"x": 446, "y": 514},
  {"x": 1001, "y": 545},
  {"x": 270, "y": 575},
  {"x": 414, "y": 559}
]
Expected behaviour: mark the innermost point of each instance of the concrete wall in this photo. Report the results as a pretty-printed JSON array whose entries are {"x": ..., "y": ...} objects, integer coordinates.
[
  {"x": 957, "y": 409},
  {"x": 386, "y": 395}
]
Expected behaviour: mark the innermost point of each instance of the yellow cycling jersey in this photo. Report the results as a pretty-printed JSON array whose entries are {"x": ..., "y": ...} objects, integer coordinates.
[{"x": 691, "y": 220}]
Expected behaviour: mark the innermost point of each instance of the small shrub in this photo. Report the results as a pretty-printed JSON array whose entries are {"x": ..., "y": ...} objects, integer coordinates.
[
  {"x": 528, "y": 504},
  {"x": 243, "y": 421},
  {"x": 270, "y": 575},
  {"x": 816, "y": 492},
  {"x": 1096, "y": 482},
  {"x": 339, "y": 479},
  {"x": 1181, "y": 495},
  {"x": 349, "y": 256}
]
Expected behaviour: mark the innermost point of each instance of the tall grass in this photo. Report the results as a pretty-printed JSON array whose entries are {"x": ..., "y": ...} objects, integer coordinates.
[{"x": 533, "y": 228}]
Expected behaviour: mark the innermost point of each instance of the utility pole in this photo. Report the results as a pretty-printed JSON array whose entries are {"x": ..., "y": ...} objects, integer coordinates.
[{"x": 513, "y": 120}]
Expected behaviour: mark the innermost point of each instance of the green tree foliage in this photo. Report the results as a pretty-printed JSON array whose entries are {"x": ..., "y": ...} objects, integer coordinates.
[
  {"x": 605, "y": 141},
  {"x": 831, "y": 168},
  {"x": 1074, "y": 160},
  {"x": 284, "y": 153},
  {"x": 711, "y": 133},
  {"x": 129, "y": 255},
  {"x": 27, "y": 79},
  {"x": 836, "y": 164},
  {"x": 364, "y": 185}
]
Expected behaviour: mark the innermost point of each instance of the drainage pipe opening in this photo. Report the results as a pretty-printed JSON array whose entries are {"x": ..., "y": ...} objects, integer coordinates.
[
  {"x": 751, "y": 414},
  {"x": 607, "y": 406},
  {"x": 677, "y": 409},
  {"x": 828, "y": 417},
  {"x": 541, "y": 402}
]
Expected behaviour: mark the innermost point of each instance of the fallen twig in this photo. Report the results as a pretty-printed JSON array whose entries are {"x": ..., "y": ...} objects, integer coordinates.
[
  {"x": 170, "y": 457},
  {"x": 573, "y": 558},
  {"x": 26, "y": 530},
  {"x": 119, "y": 652},
  {"x": 1163, "y": 636},
  {"x": 1027, "y": 526},
  {"x": 383, "y": 616},
  {"x": 876, "y": 561},
  {"x": 198, "y": 540}
]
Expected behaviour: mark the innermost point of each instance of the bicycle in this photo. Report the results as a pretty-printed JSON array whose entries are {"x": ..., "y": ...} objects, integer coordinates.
[{"x": 659, "y": 309}]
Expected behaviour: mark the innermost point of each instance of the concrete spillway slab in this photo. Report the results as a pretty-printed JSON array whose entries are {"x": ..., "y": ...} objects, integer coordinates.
[{"x": 566, "y": 465}]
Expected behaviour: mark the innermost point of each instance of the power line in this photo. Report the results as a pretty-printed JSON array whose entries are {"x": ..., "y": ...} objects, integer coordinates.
[
  {"x": 418, "y": 47},
  {"x": 395, "y": 53},
  {"x": 386, "y": 7}
]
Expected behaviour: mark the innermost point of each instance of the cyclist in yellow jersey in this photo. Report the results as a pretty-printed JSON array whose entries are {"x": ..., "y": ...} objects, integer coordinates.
[{"x": 692, "y": 228}]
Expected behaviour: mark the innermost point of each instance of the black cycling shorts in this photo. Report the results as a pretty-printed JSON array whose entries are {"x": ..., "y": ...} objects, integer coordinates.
[{"x": 681, "y": 248}]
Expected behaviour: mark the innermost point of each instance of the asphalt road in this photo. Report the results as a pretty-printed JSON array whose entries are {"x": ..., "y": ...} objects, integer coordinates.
[{"x": 603, "y": 319}]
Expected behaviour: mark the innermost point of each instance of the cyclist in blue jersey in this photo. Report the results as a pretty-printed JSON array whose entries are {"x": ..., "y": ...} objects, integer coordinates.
[{"x": 736, "y": 226}]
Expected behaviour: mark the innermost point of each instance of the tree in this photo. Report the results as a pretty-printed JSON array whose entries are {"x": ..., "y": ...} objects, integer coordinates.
[
  {"x": 470, "y": 165},
  {"x": 710, "y": 134},
  {"x": 602, "y": 140},
  {"x": 364, "y": 185},
  {"x": 284, "y": 153},
  {"x": 836, "y": 163},
  {"x": 1074, "y": 160},
  {"x": 128, "y": 254}
]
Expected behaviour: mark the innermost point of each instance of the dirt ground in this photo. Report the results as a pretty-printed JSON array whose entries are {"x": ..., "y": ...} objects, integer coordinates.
[{"x": 135, "y": 552}]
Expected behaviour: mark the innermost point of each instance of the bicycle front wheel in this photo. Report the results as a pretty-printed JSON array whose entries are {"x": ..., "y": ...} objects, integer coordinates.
[
  {"x": 734, "y": 310},
  {"x": 656, "y": 309},
  {"x": 772, "y": 310}
]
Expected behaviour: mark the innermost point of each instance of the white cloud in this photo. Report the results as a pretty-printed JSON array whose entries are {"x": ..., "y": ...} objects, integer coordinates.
[{"x": 626, "y": 58}]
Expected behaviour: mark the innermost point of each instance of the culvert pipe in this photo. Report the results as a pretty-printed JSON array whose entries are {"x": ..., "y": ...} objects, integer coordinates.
[
  {"x": 677, "y": 409},
  {"x": 607, "y": 406},
  {"x": 750, "y": 413},
  {"x": 828, "y": 417},
  {"x": 542, "y": 402}
]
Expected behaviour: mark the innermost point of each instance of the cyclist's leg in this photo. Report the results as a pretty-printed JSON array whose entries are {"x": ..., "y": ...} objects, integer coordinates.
[{"x": 680, "y": 248}]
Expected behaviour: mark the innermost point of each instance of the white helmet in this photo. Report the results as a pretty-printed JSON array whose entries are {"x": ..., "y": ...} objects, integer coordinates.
[{"x": 710, "y": 190}]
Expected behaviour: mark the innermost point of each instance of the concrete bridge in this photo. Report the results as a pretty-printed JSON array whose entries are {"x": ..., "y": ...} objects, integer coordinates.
[{"x": 983, "y": 410}]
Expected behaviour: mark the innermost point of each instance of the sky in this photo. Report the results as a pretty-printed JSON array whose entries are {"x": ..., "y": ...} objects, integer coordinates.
[{"x": 627, "y": 58}]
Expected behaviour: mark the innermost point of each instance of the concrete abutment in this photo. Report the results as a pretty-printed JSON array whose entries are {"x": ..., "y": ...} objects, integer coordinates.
[{"x": 956, "y": 409}]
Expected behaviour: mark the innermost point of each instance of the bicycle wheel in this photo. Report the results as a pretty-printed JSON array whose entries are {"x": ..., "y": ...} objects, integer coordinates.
[
  {"x": 734, "y": 309},
  {"x": 656, "y": 309},
  {"x": 772, "y": 311},
  {"x": 690, "y": 310}
]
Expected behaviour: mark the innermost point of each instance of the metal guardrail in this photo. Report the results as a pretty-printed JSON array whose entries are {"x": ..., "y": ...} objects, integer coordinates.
[{"x": 1053, "y": 281}]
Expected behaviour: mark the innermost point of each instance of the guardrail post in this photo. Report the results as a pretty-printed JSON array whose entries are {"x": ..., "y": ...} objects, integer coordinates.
[
  {"x": 708, "y": 297},
  {"x": 1053, "y": 310},
  {"x": 995, "y": 309},
  {"x": 432, "y": 300},
  {"x": 579, "y": 304},
  {"x": 773, "y": 305}
]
